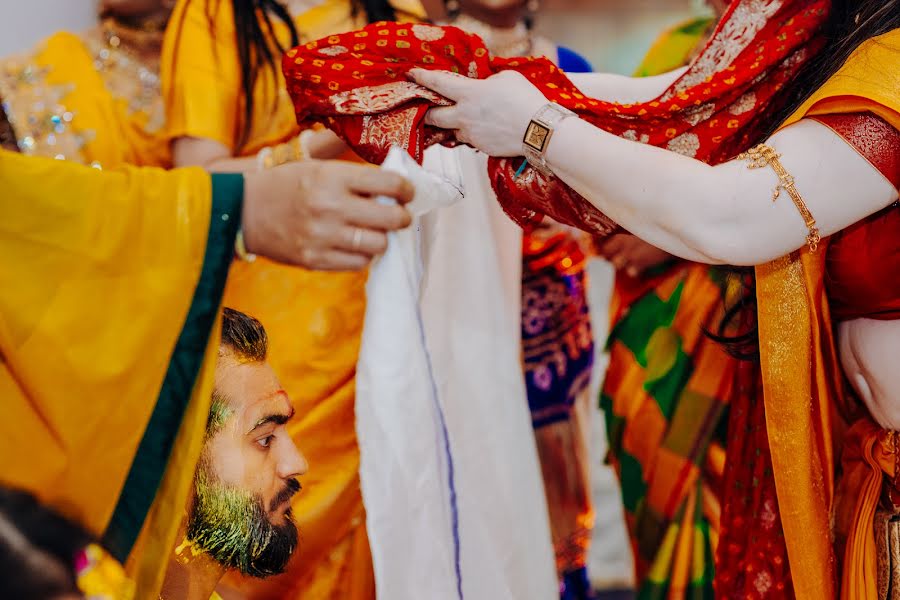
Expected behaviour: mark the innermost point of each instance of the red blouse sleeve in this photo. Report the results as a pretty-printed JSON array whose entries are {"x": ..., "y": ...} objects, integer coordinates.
[
  {"x": 873, "y": 137},
  {"x": 863, "y": 262}
]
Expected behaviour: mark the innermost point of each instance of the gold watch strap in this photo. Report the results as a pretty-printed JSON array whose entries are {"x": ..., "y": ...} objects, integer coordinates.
[{"x": 539, "y": 132}]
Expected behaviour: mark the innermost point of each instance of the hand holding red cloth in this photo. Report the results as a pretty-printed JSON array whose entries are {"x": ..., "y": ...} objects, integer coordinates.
[{"x": 355, "y": 84}]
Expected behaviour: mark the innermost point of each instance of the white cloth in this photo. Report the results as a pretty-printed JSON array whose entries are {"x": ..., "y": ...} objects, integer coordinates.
[{"x": 449, "y": 472}]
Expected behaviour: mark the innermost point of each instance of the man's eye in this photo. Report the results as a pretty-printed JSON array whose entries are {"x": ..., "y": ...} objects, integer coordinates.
[{"x": 264, "y": 442}]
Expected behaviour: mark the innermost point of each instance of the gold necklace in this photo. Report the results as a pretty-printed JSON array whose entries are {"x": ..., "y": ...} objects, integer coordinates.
[
  {"x": 128, "y": 60},
  {"x": 516, "y": 41}
]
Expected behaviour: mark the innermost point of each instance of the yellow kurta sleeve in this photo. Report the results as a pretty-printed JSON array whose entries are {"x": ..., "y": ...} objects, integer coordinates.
[
  {"x": 201, "y": 81},
  {"x": 200, "y": 73},
  {"x": 109, "y": 292}
]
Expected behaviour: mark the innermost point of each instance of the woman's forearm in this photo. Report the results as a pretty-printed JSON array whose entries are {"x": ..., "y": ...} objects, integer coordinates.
[
  {"x": 721, "y": 214},
  {"x": 217, "y": 158}
]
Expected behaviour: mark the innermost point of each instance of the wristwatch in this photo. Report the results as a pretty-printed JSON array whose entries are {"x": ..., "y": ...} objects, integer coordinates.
[{"x": 538, "y": 134}]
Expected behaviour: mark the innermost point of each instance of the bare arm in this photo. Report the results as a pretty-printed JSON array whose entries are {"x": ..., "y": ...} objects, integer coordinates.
[
  {"x": 624, "y": 89},
  {"x": 211, "y": 155},
  {"x": 217, "y": 158},
  {"x": 721, "y": 214}
]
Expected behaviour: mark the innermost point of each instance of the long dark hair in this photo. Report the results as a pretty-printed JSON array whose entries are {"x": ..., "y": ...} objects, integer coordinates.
[
  {"x": 38, "y": 548},
  {"x": 376, "y": 10},
  {"x": 258, "y": 47},
  {"x": 255, "y": 37},
  {"x": 850, "y": 23}
]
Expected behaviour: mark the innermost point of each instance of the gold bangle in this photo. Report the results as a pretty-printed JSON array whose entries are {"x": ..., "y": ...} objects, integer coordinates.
[
  {"x": 240, "y": 248},
  {"x": 265, "y": 159},
  {"x": 279, "y": 154},
  {"x": 761, "y": 156}
]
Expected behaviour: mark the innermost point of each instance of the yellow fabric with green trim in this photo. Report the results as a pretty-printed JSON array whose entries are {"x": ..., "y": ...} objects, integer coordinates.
[{"x": 99, "y": 275}]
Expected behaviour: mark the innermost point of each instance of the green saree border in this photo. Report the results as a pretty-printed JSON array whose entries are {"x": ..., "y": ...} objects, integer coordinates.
[{"x": 150, "y": 461}]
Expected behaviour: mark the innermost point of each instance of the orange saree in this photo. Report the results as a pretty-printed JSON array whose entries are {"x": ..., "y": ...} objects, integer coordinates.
[{"x": 805, "y": 401}]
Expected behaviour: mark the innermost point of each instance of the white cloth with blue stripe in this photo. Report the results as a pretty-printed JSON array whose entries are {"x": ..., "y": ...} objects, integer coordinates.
[{"x": 449, "y": 472}]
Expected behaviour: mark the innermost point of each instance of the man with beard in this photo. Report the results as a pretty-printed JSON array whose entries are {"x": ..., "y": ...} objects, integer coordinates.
[{"x": 239, "y": 517}]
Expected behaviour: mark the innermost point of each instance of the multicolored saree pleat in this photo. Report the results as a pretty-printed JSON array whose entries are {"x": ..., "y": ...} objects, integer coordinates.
[
  {"x": 665, "y": 394},
  {"x": 664, "y": 397}
]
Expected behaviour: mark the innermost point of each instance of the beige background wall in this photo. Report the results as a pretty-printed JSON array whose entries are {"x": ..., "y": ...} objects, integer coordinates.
[
  {"x": 24, "y": 22},
  {"x": 612, "y": 34}
]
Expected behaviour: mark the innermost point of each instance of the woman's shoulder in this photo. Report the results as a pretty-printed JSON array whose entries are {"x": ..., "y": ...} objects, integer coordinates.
[
  {"x": 868, "y": 81},
  {"x": 66, "y": 40},
  {"x": 200, "y": 37},
  {"x": 206, "y": 18},
  {"x": 62, "y": 46}
]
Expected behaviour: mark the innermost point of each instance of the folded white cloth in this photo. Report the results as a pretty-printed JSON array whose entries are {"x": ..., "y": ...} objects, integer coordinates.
[{"x": 449, "y": 472}]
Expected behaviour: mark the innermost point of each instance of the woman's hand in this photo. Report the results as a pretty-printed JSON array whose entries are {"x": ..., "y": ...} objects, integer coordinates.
[
  {"x": 490, "y": 114},
  {"x": 321, "y": 214}
]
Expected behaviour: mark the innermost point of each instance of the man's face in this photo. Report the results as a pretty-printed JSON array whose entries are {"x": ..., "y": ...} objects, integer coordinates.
[{"x": 241, "y": 513}]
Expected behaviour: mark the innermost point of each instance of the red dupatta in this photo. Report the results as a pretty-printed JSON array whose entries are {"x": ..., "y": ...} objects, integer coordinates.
[{"x": 355, "y": 84}]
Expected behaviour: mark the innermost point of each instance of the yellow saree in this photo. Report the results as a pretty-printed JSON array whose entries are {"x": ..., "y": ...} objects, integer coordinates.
[
  {"x": 91, "y": 98},
  {"x": 802, "y": 379},
  {"x": 109, "y": 297},
  {"x": 314, "y": 320}
]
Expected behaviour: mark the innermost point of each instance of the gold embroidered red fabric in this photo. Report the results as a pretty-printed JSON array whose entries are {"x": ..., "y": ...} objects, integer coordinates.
[
  {"x": 355, "y": 84},
  {"x": 862, "y": 267},
  {"x": 872, "y": 137}
]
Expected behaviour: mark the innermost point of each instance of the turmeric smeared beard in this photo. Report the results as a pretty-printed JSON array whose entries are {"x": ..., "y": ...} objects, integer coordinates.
[{"x": 233, "y": 527}]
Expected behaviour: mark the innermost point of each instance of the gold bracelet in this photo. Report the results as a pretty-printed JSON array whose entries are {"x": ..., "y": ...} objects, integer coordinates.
[
  {"x": 761, "y": 156},
  {"x": 287, "y": 152},
  {"x": 272, "y": 156},
  {"x": 240, "y": 248}
]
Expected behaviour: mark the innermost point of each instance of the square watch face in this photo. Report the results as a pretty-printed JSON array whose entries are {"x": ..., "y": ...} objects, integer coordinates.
[{"x": 536, "y": 135}]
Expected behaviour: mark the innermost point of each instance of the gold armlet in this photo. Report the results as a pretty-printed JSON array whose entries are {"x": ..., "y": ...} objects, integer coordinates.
[{"x": 761, "y": 156}]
